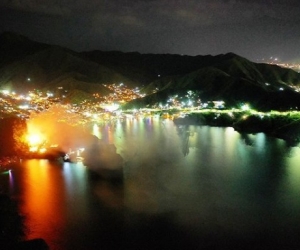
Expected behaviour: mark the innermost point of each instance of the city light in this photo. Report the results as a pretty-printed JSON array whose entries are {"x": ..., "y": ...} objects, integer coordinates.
[{"x": 245, "y": 107}]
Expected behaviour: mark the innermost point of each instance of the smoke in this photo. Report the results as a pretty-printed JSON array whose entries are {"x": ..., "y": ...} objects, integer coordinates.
[{"x": 61, "y": 126}]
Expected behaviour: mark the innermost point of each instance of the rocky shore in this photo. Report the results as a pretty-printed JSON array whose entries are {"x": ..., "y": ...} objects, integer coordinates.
[
  {"x": 283, "y": 125},
  {"x": 11, "y": 223},
  {"x": 12, "y": 231}
]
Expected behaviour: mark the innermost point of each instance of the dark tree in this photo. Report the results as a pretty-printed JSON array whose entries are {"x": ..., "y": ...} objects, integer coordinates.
[{"x": 12, "y": 136}]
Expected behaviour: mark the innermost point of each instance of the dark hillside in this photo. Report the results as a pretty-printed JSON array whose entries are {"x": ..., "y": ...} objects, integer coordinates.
[
  {"x": 239, "y": 67},
  {"x": 274, "y": 73},
  {"x": 146, "y": 68},
  {"x": 25, "y": 64},
  {"x": 54, "y": 67},
  {"x": 234, "y": 80},
  {"x": 13, "y": 47}
]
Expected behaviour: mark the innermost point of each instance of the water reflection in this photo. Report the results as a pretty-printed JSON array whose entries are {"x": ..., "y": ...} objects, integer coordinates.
[
  {"x": 199, "y": 185},
  {"x": 247, "y": 139},
  {"x": 11, "y": 182},
  {"x": 184, "y": 135},
  {"x": 44, "y": 203},
  {"x": 291, "y": 178}
]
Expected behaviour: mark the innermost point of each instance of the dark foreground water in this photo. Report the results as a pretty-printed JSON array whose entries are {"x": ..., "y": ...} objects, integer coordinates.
[{"x": 187, "y": 187}]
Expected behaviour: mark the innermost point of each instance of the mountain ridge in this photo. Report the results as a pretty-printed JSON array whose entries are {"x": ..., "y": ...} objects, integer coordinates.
[{"x": 228, "y": 76}]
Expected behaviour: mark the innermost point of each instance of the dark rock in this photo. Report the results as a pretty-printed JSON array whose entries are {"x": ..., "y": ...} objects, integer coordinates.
[{"x": 34, "y": 244}]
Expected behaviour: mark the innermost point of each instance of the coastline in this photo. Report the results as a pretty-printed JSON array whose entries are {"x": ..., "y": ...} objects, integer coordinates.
[
  {"x": 281, "y": 125},
  {"x": 12, "y": 227}
]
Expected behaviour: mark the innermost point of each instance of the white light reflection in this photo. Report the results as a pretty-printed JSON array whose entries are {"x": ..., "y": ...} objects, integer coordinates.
[
  {"x": 96, "y": 131},
  {"x": 230, "y": 142},
  {"x": 68, "y": 174},
  {"x": 260, "y": 143},
  {"x": 118, "y": 135},
  {"x": 293, "y": 171},
  {"x": 75, "y": 177},
  {"x": 11, "y": 181}
]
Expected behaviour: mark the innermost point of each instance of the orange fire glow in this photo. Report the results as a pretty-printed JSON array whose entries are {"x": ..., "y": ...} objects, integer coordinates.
[
  {"x": 55, "y": 127},
  {"x": 35, "y": 139}
]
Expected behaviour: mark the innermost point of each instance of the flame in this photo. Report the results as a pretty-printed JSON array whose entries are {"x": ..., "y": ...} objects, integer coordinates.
[
  {"x": 35, "y": 139},
  {"x": 56, "y": 127}
]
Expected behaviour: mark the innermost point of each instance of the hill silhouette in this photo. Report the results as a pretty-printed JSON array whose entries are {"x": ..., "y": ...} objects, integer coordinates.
[
  {"x": 235, "y": 80},
  {"x": 227, "y": 77}
]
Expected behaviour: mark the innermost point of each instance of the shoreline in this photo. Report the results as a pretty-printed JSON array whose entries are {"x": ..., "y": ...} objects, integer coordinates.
[
  {"x": 12, "y": 227},
  {"x": 284, "y": 126}
]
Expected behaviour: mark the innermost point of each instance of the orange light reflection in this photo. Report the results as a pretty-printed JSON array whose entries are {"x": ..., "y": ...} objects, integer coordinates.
[{"x": 44, "y": 201}]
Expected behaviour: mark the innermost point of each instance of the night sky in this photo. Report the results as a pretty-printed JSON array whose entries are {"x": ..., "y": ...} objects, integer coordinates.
[{"x": 255, "y": 29}]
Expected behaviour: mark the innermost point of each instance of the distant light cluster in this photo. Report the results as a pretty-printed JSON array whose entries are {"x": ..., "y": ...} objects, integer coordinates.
[
  {"x": 36, "y": 101},
  {"x": 276, "y": 61},
  {"x": 122, "y": 94},
  {"x": 293, "y": 66}
]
